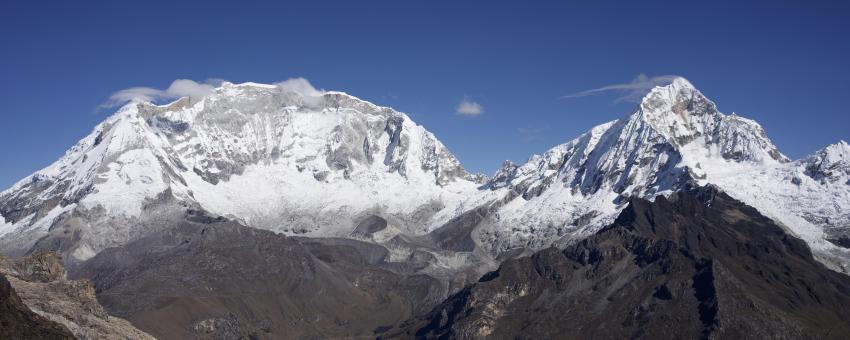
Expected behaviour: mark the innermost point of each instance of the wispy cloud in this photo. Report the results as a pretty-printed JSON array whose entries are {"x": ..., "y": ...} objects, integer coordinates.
[
  {"x": 469, "y": 108},
  {"x": 531, "y": 133},
  {"x": 301, "y": 86},
  {"x": 178, "y": 88},
  {"x": 629, "y": 92}
]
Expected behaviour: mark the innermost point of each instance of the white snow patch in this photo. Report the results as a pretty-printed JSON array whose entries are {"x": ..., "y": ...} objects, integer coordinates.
[{"x": 5, "y": 227}]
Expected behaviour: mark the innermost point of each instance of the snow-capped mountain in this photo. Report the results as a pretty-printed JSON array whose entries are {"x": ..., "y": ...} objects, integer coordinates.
[
  {"x": 321, "y": 163},
  {"x": 676, "y": 138},
  {"x": 298, "y": 163}
]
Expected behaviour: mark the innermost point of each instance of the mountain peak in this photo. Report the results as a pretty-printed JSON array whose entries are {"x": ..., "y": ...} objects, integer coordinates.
[
  {"x": 682, "y": 114},
  {"x": 678, "y": 86},
  {"x": 830, "y": 164},
  {"x": 835, "y": 151},
  {"x": 681, "y": 82},
  {"x": 677, "y": 91},
  {"x": 679, "y": 111}
]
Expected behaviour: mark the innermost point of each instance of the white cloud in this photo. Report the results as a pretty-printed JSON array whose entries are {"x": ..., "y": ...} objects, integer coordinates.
[
  {"x": 178, "y": 88},
  {"x": 469, "y": 108},
  {"x": 630, "y": 92},
  {"x": 190, "y": 88},
  {"x": 301, "y": 86}
]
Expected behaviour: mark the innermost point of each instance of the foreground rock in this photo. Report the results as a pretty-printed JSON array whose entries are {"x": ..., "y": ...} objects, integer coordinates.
[
  {"x": 40, "y": 303},
  {"x": 695, "y": 265},
  {"x": 17, "y": 321}
]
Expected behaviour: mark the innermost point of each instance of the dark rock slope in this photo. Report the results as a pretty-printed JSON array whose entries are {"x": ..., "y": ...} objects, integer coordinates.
[
  {"x": 695, "y": 265},
  {"x": 210, "y": 278}
]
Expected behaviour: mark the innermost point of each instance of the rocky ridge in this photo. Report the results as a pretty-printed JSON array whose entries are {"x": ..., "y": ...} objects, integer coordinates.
[
  {"x": 17, "y": 321},
  {"x": 696, "y": 264},
  {"x": 40, "y": 283}
]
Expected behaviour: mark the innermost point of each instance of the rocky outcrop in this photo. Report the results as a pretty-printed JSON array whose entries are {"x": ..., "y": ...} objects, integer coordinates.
[
  {"x": 698, "y": 264},
  {"x": 42, "y": 266},
  {"x": 41, "y": 284},
  {"x": 17, "y": 321}
]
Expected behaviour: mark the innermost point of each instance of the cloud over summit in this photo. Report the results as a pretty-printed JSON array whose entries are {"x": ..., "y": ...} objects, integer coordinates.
[
  {"x": 178, "y": 88},
  {"x": 301, "y": 86},
  {"x": 629, "y": 92},
  {"x": 190, "y": 88}
]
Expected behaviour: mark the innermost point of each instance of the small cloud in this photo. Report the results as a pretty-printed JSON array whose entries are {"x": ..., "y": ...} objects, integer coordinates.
[
  {"x": 178, "y": 88},
  {"x": 301, "y": 86},
  {"x": 469, "y": 108},
  {"x": 630, "y": 92}
]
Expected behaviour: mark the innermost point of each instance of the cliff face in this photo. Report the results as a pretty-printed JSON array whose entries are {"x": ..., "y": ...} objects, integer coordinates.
[
  {"x": 695, "y": 265},
  {"x": 62, "y": 308}
]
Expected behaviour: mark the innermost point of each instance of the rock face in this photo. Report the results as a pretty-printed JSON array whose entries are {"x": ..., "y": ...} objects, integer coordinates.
[
  {"x": 70, "y": 306},
  {"x": 17, "y": 321},
  {"x": 39, "y": 267},
  {"x": 696, "y": 264},
  {"x": 213, "y": 278}
]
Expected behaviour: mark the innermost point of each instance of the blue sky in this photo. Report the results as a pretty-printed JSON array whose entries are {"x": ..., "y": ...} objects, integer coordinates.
[{"x": 784, "y": 65}]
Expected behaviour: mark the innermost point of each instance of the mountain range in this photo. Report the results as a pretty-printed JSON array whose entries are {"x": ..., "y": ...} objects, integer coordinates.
[{"x": 260, "y": 184}]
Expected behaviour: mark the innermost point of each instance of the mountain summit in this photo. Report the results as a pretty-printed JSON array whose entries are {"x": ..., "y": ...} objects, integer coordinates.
[{"x": 682, "y": 114}]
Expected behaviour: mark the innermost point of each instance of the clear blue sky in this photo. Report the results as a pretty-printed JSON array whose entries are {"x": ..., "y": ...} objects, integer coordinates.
[{"x": 784, "y": 65}]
